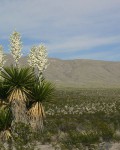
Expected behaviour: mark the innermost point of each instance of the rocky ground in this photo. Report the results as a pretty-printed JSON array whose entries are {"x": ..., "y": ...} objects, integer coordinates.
[{"x": 39, "y": 146}]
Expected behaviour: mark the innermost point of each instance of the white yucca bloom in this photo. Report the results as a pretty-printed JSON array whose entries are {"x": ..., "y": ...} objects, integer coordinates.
[
  {"x": 2, "y": 57},
  {"x": 38, "y": 58},
  {"x": 16, "y": 46}
]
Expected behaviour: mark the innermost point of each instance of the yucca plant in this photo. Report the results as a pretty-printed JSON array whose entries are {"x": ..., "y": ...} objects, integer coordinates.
[
  {"x": 5, "y": 122},
  {"x": 41, "y": 92},
  {"x": 3, "y": 97},
  {"x": 18, "y": 81}
]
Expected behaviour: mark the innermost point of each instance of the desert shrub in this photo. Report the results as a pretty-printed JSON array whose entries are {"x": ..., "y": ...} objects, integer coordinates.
[
  {"x": 22, "y": 136},
  {"x": 84, "y": 116},
  {"x": 5, "y": 118}
]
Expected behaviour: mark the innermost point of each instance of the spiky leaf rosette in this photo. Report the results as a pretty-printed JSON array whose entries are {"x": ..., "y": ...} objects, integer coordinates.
[
  {"x": 40, "y": 92},
  {"x": 16, "y": 46},
  {"x": 19, "y": 81}
]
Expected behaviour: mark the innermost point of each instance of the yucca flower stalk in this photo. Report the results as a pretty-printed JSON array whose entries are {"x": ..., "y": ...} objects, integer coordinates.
[
  {"x": 38, "y": 59},
  {"x": 2, "y": 58},
  {"x": 16, "y": 47}
]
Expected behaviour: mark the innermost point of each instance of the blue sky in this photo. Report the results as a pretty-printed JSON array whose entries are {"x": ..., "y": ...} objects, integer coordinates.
[{"x": 70, "y": 29}]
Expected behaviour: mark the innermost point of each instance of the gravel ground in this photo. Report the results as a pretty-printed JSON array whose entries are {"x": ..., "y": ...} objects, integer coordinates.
[
  {"x": 115, "y": 146},
  {"x": 108, "y": 146},
  {"x": 39, "y": 146},
  {"x": 44, "y": 147}
]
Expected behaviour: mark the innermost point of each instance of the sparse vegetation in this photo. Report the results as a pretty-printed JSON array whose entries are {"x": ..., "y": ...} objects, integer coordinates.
[
  {"x": 74, "y": 122},
  {"x": 73, "y": 118},
  {"x": 87, "y": 117}
]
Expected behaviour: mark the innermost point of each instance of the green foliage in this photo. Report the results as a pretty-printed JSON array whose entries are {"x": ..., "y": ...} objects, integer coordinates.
[
  {"x": 17, "y": 78},
  {"x": 22, "y": 133},
  {"x": 77, "y": 139},
  {"x": 97, "y": 122},
  {"x": 86, "y": 137},
  {"x": 22, "y": 138},
  {"x": 85, "y": 117},
  {"x": 5, "y": 119},
  {"x": 3, "y": 91},
  {"x": 42, "y": 91}
]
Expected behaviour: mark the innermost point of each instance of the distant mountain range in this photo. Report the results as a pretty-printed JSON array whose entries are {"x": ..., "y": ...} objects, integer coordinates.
[{"x": 80, "y": 72}]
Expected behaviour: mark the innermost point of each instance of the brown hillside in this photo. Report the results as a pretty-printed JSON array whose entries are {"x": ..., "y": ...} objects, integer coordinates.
[{"x": 80, "y": 73}]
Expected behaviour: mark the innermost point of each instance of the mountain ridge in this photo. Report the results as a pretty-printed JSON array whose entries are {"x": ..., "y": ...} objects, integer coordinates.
[{"x": 79, "y": 72}]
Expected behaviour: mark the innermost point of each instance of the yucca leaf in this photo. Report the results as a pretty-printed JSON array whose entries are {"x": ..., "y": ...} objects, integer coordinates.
[{"x": 18, "y": 79}]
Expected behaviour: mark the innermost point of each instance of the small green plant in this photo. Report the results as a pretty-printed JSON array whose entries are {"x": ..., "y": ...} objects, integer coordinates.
[
  {"x": 5, "y": 118},
  {"x": 23, "y": 136}
]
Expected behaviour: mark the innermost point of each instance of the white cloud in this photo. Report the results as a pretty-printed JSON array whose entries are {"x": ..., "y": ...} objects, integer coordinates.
[
  {"x": 67, "y": 25},
  {"x": 98, "y": 55},
  {"x": 83, "y": 43},
  {"x": 29, "y": 14}
]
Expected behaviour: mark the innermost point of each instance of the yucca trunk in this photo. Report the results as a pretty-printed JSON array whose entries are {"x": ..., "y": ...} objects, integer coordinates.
[
  {"x": 18, "y": 107},
  {"x": 19, "y": 112},
  {"x": 36, "y": 116}
]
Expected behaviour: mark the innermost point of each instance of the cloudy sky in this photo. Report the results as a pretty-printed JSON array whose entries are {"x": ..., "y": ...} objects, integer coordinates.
[{"x": 70, "y": 29}]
